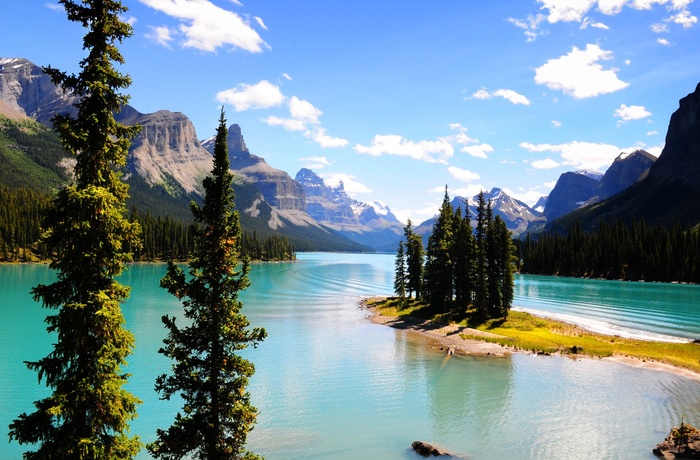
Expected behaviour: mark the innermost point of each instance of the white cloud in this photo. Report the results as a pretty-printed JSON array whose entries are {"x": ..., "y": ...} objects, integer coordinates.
[
  {"x": 655, "y": 150},
  {"x": 652, "y": 133},
  {"x": 611, "y": 7},
  {"x": 315, "y": 162},
  {"x": 579, "y": 74},
  {"x": 531, "y": 25},
  {"x": 531, "y": 196},
  {"x": 54, "y": 6},
  {"x": 131, "y": 20},
  {"x": 461, "y": 138},
  {"x": 418, "y": 215},
  {"x": 566, "y": 10},
  {"x": 632, "y": 112},
  {"x": 161, "y": 35},
  {"x": 259, "y": 96},
  {"x": 685, "y": 19},
  {"x": 478, "y": 151},
  {"x": 462, "y": 174},
  {"x": 260, "y": 22},
  {"x": 286, "y": 76},
  {"x": 288, "y": 124},
  {"x": 321, "y": 138},
  {"x": 507, "y": 94},
  {"x": 587, "y": 155},
  {"x": 481, "y": 94},
  {"x": 512, "y": 96},
  {"x": 207, "y": 27},
  {"x": 663, "y": 41},
  {"x": 304, "y": 111},
  {"x": 659, "y": 28},
  {"x": 628, "y": 61},
  {"x": 556, "y": 124},
  {"x": 596, "y": 25},
  {"x": 547, "y": 163},
  {"x": 350, "y": 184},
  {"x": 392, "y": 144}
]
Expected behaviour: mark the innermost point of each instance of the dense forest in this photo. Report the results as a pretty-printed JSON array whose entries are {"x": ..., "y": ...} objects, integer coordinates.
[
  {"x": 163, "y": 238},
  {"x": 616, "y": 251},
  {"x": 463, "y": 271}
]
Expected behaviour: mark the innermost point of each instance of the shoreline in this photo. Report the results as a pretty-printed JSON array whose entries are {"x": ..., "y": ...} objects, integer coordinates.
[{"x": 447, "y": 337}]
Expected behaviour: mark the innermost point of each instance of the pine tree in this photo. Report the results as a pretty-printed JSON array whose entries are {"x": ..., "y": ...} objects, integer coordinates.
[
  {"x": 208, "y": 373},
  {"x": 481, "y": 297},
  {"x": 400, "y": 274},
  {"x": 464, "y": 253},
  {"x": 414, "y": 261},
  {"x": 439, "y": 263},
  {"x": 87, "y": 414}
]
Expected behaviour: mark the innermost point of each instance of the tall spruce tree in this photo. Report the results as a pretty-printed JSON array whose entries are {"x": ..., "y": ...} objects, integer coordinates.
[
  {"x": 439, "y": 259},
  {"x": 208, "y": 373},
  {"x": 415, "y": 253},
  {"x": 400, "y": 273},
  {"x": 88, "y": 412},
  {"x": 464, "y": 252},
  {"x": 481, "y": 297}
]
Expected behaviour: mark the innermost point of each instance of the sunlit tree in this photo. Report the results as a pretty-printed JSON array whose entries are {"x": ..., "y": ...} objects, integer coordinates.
[
  {"x": 87, "y": 414},
  {"x": 208, "y": 372}
]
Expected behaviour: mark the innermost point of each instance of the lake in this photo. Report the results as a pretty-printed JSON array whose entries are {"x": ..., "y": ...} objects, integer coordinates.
[{"x": 331, "y": 385}]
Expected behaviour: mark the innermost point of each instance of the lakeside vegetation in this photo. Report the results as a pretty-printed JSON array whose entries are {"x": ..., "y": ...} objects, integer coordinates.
[
  {"x": 526, "y": 332},
  {"x": 615, "y": 251}
]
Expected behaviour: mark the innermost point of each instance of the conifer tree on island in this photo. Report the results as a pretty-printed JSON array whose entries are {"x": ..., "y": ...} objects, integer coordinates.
[
  {"x": 87, "y": 414},
  {"x": 207, "y": 372}
]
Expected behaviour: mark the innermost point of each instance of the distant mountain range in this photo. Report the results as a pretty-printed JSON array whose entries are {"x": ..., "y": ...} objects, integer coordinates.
[{"x": 167, "y": 162}]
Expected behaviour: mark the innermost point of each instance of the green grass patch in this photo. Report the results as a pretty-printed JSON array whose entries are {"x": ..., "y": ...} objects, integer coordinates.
[{"x": 523, "y": 331}]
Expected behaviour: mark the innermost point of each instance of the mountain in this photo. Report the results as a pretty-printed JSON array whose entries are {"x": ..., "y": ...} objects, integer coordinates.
[
  {"x": 626, "y": 170},
  {"x": 166, "y": 163},
  {"x": 371, "y": 224},
  {"x": 670, "y": 192},
  {"x": 517, "y": 215},
  {"x": 572, "y": 190}
]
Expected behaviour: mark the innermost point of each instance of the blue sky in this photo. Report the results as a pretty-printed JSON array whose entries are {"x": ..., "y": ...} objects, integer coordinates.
[{"x": 400, "y": 98}]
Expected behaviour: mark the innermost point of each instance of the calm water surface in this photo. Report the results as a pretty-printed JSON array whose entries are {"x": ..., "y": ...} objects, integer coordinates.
[{"x": 329, "y": 384}]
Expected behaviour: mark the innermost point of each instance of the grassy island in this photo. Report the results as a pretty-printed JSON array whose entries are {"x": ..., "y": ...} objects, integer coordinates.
[{"x": 526, "y": 332}]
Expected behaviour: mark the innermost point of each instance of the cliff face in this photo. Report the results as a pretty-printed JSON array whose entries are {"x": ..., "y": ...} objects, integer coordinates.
[
  {"x": 571, "y": 192},
  {"x": 626, "y": 170},
  {"x": 680, "y": 159},
  {"x": 25, "y": 88},
  {"x": 276, "y": 186},
  {"x": 166, "y": 149},
  {"x": 322, "y": 201}
]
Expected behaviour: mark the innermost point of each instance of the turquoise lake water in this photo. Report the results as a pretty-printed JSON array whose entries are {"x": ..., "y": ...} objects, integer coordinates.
[{"x": 331, "y": 385}]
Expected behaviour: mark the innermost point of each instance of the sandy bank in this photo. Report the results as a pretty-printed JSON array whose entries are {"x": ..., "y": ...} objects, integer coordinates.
[{"x": 448, "y": 337}]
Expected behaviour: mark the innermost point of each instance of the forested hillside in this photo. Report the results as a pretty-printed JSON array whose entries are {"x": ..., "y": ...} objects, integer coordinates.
[{"x": 30, "y": 170}]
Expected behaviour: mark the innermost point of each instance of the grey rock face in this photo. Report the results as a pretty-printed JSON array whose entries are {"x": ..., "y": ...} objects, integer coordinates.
[
  {"x": 680, "y": 159},
  {"x": 25, "y": 87},
  {"x": 276, "y": 186},
  {"x": 571, "y": 192},
  {"x": 166, "y": 148},
  {"x": 626, "y": 170}
]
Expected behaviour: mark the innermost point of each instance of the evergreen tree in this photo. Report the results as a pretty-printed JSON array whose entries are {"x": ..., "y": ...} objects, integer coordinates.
[
  {"x": 481, "y": 297},
  {"x": 208, "y": 373},
  {"x": 87, "y": 414},
  {"x": 439, "y": 263},
  {"x": 400, "y": 274},
  {"x": 464, "y": 253},
  {"x": 414, "y": 261}
]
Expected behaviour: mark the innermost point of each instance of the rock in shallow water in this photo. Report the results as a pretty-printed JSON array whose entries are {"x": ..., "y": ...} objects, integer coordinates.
[{"x": 427, "y": 450}]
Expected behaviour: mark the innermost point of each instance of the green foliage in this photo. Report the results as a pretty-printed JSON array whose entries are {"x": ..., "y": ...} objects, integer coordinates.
[
  {"x": 400, "y": 273},
  {"x": 88, "y": 236},
  {"x": 208, "y": 373},
  {"x": 616, "y": 251},
  {"x": 464, "y": 273}
]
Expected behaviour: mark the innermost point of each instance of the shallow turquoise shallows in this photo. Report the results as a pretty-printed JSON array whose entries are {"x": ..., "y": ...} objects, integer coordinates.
[{"x": 331, "y": 385}]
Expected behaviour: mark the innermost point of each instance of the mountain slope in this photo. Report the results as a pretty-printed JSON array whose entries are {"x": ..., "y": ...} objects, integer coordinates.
[{"x": 670, "y": 193}]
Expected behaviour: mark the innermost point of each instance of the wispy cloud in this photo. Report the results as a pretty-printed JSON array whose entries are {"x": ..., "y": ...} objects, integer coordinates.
[
  {"x": 315, "y": 162},
  {"x": 392, "y": 144},
  {"x": 207, "y": 27},
  {"x": 478, "y": 151},
  {"x": 663, "y": 41},
  {"x": 632, "y": 112},
  {"x": 507, "y": 94},
  {"x": 258, "y": 96},
  {"x": 587, "y": 155},
  {"x": 547, "y": 163},
  {"x": 161, "y": 35},
  {"x": 350, "y": 184},
  {"x": 579, "y": 73},
  {"x": 462, "y": 174}
]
